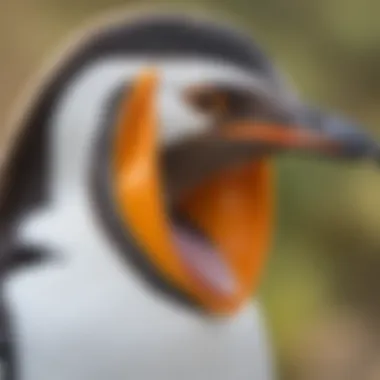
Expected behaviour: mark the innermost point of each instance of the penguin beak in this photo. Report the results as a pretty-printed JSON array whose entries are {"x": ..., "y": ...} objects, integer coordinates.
[
  {"x": 210, "y": 240},
  {"x": 315, "y": 133}
]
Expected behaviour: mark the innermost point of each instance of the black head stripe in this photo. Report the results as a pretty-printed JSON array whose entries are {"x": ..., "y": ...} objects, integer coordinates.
[
  {"x": 178, "y": 36},
  {"x": 26, "y": 167}
]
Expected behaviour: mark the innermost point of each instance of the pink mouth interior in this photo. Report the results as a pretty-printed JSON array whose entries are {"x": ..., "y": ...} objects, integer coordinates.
[{"x": 203, "y": 261}]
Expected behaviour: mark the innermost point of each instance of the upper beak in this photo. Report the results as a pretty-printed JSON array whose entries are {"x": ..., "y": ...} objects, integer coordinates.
[{"x": 312, "y": 132}]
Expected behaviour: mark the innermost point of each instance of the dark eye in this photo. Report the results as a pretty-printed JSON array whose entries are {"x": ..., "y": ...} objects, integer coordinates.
[{"x": 212, "y": 101}]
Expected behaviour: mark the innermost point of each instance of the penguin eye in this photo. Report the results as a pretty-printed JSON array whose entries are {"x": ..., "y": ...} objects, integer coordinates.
[{"x": 212, "y": 101}]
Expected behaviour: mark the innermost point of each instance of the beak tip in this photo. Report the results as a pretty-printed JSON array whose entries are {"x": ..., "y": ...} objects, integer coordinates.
[{"x": 354, "y": 142}]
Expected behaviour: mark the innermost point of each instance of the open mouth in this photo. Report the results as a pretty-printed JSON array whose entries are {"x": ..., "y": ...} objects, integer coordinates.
[
  {"x": 201, "y": 212},
  {"x": 201, "y": 179},
  {"x": 199, "y": 253}
]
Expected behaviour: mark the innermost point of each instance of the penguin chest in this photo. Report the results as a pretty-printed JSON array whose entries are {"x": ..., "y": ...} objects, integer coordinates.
[
  {"x": 85, "y": 315},
  {"x": 107, "y": 332}
]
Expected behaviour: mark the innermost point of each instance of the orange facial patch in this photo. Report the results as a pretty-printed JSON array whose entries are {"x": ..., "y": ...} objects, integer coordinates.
[{"x": 233, "y": 209}]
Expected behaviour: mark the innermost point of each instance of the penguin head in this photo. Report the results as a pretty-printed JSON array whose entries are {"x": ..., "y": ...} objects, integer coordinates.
[{"x": 167, "y": 125}]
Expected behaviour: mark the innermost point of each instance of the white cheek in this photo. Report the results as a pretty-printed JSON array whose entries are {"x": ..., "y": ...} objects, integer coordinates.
[{"x": 177, "y": 119}]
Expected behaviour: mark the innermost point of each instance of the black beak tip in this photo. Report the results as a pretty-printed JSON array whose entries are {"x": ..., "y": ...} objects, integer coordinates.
[{"x": 351, "y": 138}]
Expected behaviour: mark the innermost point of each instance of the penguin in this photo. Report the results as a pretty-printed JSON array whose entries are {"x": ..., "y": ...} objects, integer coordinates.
[{"x": 137, "y": 203}]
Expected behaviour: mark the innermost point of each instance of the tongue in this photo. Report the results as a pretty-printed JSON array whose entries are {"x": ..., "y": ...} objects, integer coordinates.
[{"x": 203, "y": 261}]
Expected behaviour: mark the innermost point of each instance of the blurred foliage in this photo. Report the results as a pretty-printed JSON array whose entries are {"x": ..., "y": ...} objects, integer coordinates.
[{"x": 326, "y": 254}]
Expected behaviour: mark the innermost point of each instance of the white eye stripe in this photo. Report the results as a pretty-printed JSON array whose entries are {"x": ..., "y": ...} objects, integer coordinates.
[
  {"x": 178, "y": 119},
  {"x": 79, "y": 115}
]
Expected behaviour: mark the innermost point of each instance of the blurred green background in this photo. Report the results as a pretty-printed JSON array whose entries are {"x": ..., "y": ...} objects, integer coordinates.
[{"x": 321, "y": 290}]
